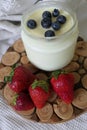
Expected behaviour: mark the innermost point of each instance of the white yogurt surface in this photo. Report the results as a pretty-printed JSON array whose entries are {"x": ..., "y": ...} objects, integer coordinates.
[
  {"x": 39, "y": 30},
  {"x": 49, "y": 54}
]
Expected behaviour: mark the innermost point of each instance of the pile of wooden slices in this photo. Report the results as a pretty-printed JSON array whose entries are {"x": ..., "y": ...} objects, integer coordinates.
[{"x": 55, "y": 110}]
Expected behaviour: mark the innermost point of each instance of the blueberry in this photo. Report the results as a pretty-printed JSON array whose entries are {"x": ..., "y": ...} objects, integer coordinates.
[
  {"x": 49, "y": 33},
  {"x": 56, "y": 25},
  {"x": 46, "y": 14},
  {"x": 31, "y": 24},
  {"x": 46, "y": 23},
  {"x": 55, "y": 13},
  {"x": 61, "y": 19}
]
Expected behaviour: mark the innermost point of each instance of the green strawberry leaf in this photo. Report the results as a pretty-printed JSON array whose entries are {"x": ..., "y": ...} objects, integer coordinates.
[
  {"x": 9, "y": 78},
  {"x": 56, "y": 73},
  {"x": 40, "y": 83},
  {"x": 14, "y": 66},
  {"x": 14, "y": 100}
]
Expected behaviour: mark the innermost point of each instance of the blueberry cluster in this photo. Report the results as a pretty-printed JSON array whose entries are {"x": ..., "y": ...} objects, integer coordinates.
[{"x": 47, "y": 22}]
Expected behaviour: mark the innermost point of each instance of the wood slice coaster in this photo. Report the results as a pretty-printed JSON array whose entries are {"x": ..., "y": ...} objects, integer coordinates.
[{"x": 55, "y": 110}]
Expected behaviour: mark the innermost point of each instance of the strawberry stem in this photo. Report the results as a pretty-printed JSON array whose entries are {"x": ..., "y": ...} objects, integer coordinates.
[
  {"x": 41, "y": 83},
  {"x": 14, "y": 100},
  {"x": 9, "y": 78},
  {"x": 56, "y": 73}
]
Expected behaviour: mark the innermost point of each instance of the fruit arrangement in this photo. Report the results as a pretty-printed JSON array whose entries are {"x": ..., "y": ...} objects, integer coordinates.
[{"x": 49, "y": 97}]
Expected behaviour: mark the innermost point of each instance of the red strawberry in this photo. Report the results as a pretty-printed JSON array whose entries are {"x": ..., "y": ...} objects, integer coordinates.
[
  {"x": 67, "y": 96},
  {"x": 21, "y": 79},
  {"x": 39, "y": 92},
  {"x": 63, "y": 85},
  {"x": 22, "y": 102}
]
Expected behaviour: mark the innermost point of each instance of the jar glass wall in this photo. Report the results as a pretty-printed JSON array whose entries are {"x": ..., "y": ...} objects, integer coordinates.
[{"x": 50, "y": 53}]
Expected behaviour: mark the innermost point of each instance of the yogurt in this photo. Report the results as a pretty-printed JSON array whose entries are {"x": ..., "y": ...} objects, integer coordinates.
[{"x": 50, "y": 53}]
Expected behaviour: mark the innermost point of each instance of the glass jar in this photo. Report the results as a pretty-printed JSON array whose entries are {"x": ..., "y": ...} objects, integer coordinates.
[
  {"x": 50, "y": 53},
  {"x": 71, "y": 3}
]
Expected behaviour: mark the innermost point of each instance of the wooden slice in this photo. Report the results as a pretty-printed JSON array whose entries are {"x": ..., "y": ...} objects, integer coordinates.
[
  {"x": 18, "y": 46},
  {"x": 8, "y": 94},
  {"x": 80, "y": 98},
  {"x": 1, "y": 65},
  {"x": 63, "y": 110},
  {"x": 24, "y": 60},
  {"x": 35, "y": 117},
  {"x": 54, "y": 119},
  {"x": 31, "y": 67},
  {"x": 5, "y": 71},
  {"x": 26, "y": 112},
  {"x": 81, "y": 48},
  {"x": 73, "y": 66},
  {"x": 45, "y": 113},
  {"x": 52, "y": 97},
  {"x": 41, "y": 76},
  {"x": 85, "y": 63},
  {"x": 2, "y": 84},
  {"x": 84, "y": 81},
  {"x": 82, "y": 71},
  {"x": 76, "y": 77},
  {"x": 75, "y": 58},
  {"x": 10, "y": 58}
]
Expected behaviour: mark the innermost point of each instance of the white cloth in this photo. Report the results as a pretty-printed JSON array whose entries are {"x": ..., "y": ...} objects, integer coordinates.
[
  {"x": 9, "y": 32},
  {"x": 10, "y": 17},
  {"x": 11, "y": 11},
  {"x": 9, "y": 120}
]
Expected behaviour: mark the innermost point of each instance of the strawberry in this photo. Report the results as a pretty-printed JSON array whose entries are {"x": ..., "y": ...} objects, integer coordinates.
[
  {"x": 20, "y": 78},
  {"x": 39, "y": 92},
  {"x": 63, "y": 84},
  {"x": 22, "y": 102}
]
